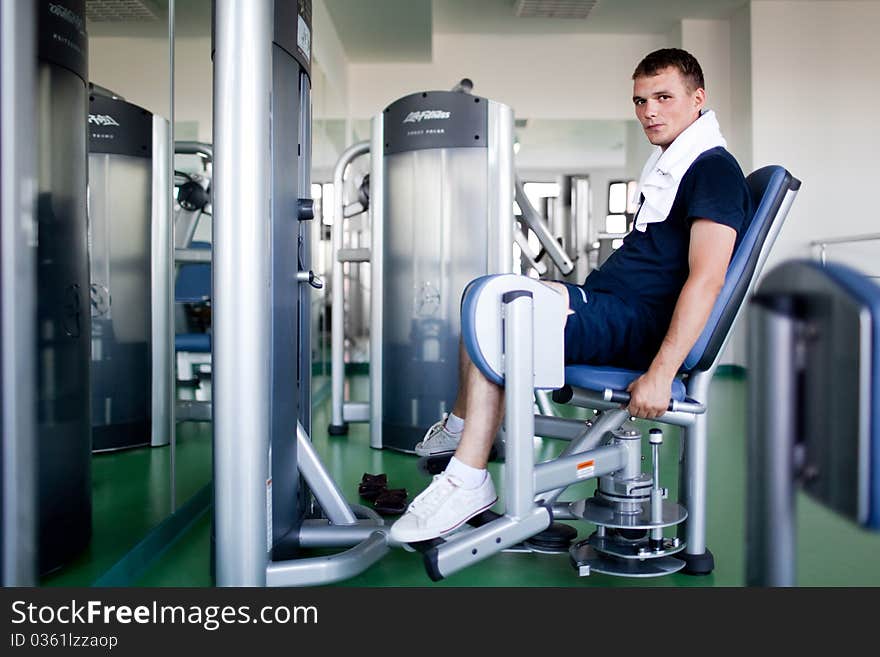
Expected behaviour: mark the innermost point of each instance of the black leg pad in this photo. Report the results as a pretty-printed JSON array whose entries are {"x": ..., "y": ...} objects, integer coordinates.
[{"x": 338, "y": 429}]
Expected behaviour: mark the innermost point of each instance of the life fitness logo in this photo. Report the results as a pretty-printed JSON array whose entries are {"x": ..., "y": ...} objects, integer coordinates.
[
  {"x": 102, "y": 119},
  {"x": 426, "y": 115}
]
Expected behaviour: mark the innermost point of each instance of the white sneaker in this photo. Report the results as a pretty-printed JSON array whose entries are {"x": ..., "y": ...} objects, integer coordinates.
[
  {"x": 438, "y": 440},
  {"x": 442, "y": 507}
]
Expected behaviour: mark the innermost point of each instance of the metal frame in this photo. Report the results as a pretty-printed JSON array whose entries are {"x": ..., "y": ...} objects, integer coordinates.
[
  {"x": 505, "y": 187},
  {"x": 18, "y": 293},
  {"x": 242, "y": 345},
  {"x": 339, "y": 417},
  {"x": 545, "y": 482}
]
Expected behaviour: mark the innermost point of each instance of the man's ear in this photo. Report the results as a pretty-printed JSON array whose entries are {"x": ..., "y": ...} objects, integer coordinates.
[{"x": 700, "y": 98}]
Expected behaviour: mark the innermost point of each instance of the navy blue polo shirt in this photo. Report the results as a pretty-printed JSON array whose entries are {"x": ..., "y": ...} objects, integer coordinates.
[{"x": 650, "y": 268}]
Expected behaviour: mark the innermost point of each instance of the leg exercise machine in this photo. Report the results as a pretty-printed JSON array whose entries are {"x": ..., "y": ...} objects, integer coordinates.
[
  {"x": 814, "y": 408},
  {"x": 272, "y": 495},
  {"x": 503, "y": 331},
  {"x": 441, "y": 186}
]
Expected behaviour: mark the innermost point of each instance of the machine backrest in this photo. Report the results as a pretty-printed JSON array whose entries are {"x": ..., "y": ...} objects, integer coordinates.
[
  {"x": 193, "y": 283},
  {"x": 768, "y": 187}
]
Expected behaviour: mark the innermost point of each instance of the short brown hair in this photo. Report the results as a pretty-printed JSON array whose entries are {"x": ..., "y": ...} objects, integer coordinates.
[{"x": 685, "y": 62}]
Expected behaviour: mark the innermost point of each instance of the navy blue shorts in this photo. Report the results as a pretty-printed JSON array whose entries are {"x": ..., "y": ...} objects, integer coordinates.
[{"x": 606, "y": 330}]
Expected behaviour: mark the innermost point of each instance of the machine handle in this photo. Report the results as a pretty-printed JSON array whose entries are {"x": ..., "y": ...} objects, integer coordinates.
[
  {"x": 622, "y": 397},
  {"x": 310, "y": 278},
  {"x": 305, "y": 209}
]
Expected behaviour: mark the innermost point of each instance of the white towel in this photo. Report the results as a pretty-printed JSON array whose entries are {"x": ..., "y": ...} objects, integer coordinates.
[{"x": 664, "y": 169}]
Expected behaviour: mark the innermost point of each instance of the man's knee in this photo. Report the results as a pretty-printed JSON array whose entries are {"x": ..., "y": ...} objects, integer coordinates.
[{"x": 561, "y": 289}]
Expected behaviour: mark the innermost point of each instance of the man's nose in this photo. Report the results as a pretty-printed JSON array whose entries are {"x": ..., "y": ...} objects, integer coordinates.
[{"x": 650, "y": 108}]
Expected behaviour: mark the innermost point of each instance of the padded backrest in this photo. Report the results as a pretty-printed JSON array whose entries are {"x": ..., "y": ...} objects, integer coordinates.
[
  {"x": 193, "y": 284},
  {"x": 768, "y": 187}
]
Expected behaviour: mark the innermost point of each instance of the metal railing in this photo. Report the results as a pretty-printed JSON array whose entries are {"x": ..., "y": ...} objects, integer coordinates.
[{"x": 823, "y": 244}]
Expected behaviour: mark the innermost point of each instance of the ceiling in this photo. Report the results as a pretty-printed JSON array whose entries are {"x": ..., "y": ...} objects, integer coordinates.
[{"x": 402, "y": 30}]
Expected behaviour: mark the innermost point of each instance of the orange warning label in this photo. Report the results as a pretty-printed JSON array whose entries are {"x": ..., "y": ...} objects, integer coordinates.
[{"x": 585, "y": 469}]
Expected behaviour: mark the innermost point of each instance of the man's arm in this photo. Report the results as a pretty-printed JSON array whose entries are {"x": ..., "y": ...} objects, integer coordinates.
[{"x": 708, "y": 257}]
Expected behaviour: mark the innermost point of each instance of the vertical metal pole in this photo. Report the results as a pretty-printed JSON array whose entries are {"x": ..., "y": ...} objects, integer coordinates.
[
  {"x": 168, "y": 192},
  {"x": 377, "y": 260},
  {"x": 501, "y": 182},
  {"x": 519, "y": 419},
  {"x": 162, "y": 292},
  {"x": 693, "y": 470},
  {"x": 18, "y": 293},
  {"x": 770, "y": 494},
  {"x": 240, "y": 289}
]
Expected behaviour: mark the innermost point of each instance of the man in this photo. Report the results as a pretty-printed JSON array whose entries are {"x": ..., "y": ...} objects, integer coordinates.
[{"x": 643, "y": 309}]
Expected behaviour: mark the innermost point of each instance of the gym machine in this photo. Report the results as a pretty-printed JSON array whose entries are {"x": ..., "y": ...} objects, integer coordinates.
[
  {"x": 130, "y": 256},
  {"x": 814, "y": 408},
  {"x": 272, "y": 495},
  {"x": 448, "y": 154}
]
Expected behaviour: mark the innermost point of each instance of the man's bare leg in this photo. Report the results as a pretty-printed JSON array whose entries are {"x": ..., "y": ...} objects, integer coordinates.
[
  {"x": 484, "y": 402},
  {"x": 459, "y": 408}
]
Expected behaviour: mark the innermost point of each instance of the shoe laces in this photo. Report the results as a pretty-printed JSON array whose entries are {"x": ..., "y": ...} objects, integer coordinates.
[
  {"x": 442, "y": 486},
  {"x": 436, "y": 429}
]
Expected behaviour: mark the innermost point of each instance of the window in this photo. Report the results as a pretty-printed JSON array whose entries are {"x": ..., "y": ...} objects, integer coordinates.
[{"x": 622, "y": 206}]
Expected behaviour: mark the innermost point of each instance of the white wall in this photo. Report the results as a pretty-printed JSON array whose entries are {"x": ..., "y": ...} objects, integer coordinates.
[
  {"x": 547, "y": 76},
  {"x": 709, "y": 42},
  {"x": 739, "y": 131},
  {"x": 329, "y": 67},
  {"x": 814, "y": 107},
  {"x": 137, "y": 69}
]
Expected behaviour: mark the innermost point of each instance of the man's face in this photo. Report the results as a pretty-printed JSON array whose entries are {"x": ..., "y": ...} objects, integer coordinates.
[{"x": 665, "y": 106}]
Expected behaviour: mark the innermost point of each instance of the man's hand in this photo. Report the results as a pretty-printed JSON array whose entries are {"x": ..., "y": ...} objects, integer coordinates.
[{"x": 650, "y": 395}]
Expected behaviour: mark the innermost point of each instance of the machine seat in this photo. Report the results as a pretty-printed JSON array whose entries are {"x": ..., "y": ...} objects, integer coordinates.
[
  {"x": 199, "y": 343},
  {"x": 598, "y": 379}
]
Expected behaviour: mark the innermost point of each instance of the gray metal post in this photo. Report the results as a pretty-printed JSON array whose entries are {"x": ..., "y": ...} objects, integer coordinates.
[
  {"x": 377, "y": 272},
  {"x": 337, "y": 330},
  {"x": 18, "y": 293},
  {"x": 770, "y": 501},
  {"x": 240, "y": 294},
  {"x": 162, "y": 288},
  {"x": 501, "y": 176},
  {"x": 519, "y": 419},
  {"x": 694, "y": 468}
]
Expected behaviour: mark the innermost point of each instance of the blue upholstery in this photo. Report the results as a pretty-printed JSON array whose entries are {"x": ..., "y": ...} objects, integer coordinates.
[
  {"x": 867, "y": 293},
  {"x": 468, "y": 328},
  {"x": 194, "y": 342},
  {"x": 768, "y": 187},
  {"x": 592, "y": 377},
  {"x": 193, "y": 285}
]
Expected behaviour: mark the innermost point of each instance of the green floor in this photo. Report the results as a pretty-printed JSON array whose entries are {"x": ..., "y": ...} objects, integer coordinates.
[{"x": 131, "y": 496}]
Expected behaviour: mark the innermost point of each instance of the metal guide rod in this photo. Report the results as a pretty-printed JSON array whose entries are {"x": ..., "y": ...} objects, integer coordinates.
[
  {"x": 548, "y": 241},
  {"x": 162, "y": 295},
  {"x": 337, "y": 326}
]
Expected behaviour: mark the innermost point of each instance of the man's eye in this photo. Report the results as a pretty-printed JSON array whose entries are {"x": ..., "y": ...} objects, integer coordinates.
[
  {"x": 665, "y": 97},
  {"x": 640, "y": 101}
]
